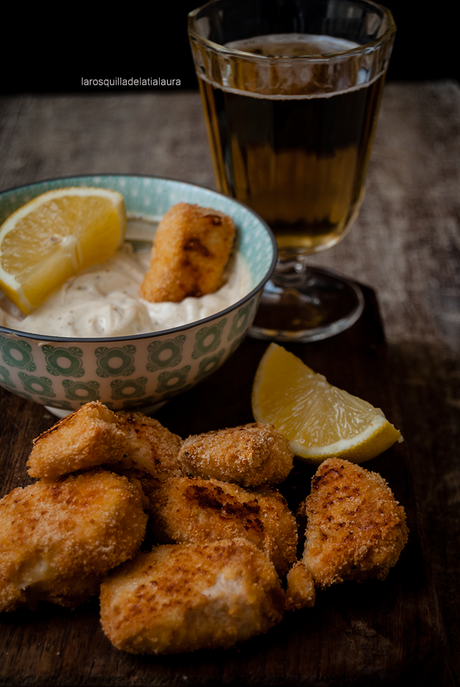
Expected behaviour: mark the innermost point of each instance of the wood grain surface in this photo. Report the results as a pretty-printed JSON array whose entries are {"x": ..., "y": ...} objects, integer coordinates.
[{"x": 405, "y": 245}]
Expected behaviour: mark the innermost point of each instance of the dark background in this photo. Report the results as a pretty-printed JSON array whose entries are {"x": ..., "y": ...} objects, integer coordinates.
[{"x": 49, "y": 53}]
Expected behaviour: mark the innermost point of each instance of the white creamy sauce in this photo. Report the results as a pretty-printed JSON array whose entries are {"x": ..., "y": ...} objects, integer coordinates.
[{"x": 103, "y": 301}]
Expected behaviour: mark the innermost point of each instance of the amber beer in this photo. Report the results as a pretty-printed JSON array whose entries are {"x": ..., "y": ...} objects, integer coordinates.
[{"x": 298, "y": 159}]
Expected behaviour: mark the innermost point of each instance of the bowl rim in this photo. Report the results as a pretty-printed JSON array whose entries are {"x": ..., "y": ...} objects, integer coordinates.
[{"x": 162, "y": 332}]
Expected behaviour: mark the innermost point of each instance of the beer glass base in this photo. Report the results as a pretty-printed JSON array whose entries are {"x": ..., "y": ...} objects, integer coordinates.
[{"x": 313, "y": 305}]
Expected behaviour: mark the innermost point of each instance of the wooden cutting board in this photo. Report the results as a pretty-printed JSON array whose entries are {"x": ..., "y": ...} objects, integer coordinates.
[{"x": 374, "y": 633}]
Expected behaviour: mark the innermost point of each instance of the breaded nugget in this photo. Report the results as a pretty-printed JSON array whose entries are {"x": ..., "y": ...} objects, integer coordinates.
[
  {"x": 150, "y": 447},
  {"x": 95, "y": 436},
  {"x": 191, "y": 248},
  {"x": 195, "y": 510},
  {"x": 186, "y": 597},
  {"x": 300, "y": 592},
  {"x": 85, "y": 439},
  {"x": 355, "y": 527},
  {"x": 250, "y": 455},
  {"x": 58, "y": 540}
]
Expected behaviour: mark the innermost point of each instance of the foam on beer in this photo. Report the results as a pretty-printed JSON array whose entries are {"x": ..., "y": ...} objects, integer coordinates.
[{"x": 288, "y": 48}]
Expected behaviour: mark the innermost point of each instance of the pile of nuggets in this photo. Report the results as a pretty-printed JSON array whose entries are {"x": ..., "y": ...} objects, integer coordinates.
[{"x": 189, "y": 543}]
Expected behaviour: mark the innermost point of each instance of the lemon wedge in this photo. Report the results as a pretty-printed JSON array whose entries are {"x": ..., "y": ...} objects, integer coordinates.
[
  {"x": 318, "y": 419},
  {"x": 53, "y": 237}
]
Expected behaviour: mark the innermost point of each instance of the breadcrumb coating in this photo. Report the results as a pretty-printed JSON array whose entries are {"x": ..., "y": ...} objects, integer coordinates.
[
  {"x": 250, "y": 455},
  {"x": 85, "y": 439},
  {"x": 300, "y": 592},
  {"x": 226, "y": 534},
  {"x": 355, "y": 527},
  {"x": 58, "y": 540},
  {"x": 94, "y": 436},
  {"x": 185, "y": 597},
  {"x": 150, "y": 447},
  {"x": 195, "y": 510},
  {"x": 191, "y": 248}
]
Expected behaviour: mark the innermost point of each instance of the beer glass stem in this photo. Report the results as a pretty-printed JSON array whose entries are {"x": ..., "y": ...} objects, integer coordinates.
[
  {"x": 290, "y": 271},
  {"x": 304, "y": 303}
]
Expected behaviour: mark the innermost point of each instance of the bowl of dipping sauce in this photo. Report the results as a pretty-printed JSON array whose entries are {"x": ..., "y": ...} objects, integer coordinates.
[{"x": 96, "y": 339}]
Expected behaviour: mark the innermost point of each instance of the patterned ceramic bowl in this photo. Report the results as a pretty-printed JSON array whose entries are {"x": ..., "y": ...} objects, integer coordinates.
[{"x": 143, "y": 370}]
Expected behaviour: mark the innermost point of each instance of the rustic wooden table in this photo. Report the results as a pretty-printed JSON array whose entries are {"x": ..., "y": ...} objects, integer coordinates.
[{"x": 405, "y": 245}]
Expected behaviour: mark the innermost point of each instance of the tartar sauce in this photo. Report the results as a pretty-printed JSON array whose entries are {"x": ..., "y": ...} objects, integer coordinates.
[{"x": 103, "y": 301}]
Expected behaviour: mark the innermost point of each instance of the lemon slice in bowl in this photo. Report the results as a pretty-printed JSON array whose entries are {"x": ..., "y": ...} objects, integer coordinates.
[
  {"x": 53, "y": 237},
  {"x": 318, "y": 419}
]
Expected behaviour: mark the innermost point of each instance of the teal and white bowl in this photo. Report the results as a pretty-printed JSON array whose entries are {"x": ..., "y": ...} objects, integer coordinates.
[{"x": 143, "y": 370}]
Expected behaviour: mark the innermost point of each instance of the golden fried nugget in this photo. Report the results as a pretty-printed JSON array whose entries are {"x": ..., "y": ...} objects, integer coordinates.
[
  {"x": 250, "y": 455},
  {"x": 58, "y": 540},
  {"x": 300, "y": 592},
  {"x": 355, "y": 527},
  {"x": 195, "y": 510},
  {"x": 185, "y": 597},
  {"x": 94, "y": 436},
  {"x": 150, "y": 447},
  {"x": 191, "y": 248},
  {"x": 85, "y": 439}
]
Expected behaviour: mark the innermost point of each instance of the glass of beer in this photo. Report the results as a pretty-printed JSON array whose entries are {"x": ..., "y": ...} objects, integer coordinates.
[{"x": 291, "y": 91}]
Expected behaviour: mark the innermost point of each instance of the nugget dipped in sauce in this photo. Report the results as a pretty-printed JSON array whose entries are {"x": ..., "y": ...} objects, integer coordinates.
[{"x": 191, "y": 249}]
